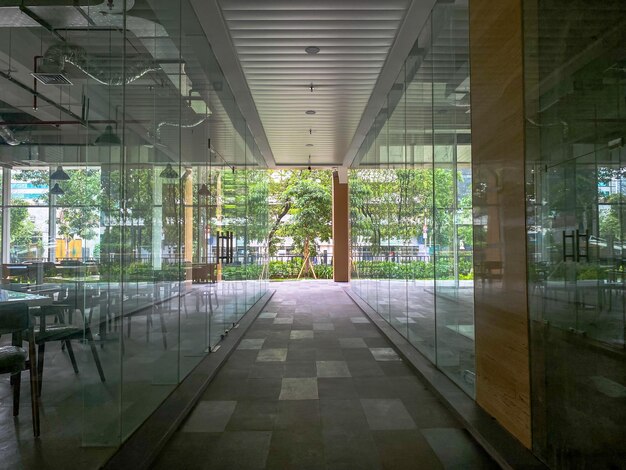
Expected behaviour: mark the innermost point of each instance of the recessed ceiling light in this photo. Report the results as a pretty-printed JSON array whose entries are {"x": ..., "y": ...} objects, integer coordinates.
[
  {"x": 312, "y": 50},
  {"x": 309, "y": 145},
  {"x": 309, "y": 111}
]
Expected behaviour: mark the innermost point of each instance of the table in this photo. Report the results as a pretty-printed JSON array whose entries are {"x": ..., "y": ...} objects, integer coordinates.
[{"x": 32, "y": 300}]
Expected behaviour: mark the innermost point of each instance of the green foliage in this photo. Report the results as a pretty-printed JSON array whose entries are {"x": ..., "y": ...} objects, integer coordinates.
[
  {"x": 302, "y": 198},
  {"x": 79, "y": 207},
  {"x": 412, "y": 269},
  {"x": 24, "y": 233},
  {"x": 311, "y": 209}
]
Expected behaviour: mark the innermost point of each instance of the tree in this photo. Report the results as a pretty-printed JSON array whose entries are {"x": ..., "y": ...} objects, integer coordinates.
[
  {"x": 311, "y": 211},
  {"x": 24, "y": 232},
  {"x": 79, "y": 208}
]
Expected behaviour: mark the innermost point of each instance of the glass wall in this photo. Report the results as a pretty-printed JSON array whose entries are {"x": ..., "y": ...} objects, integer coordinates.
[
  {"x": 410, "y": 196},
  {"x": 134, "y": 213},
  {"x": 576, "y": 221}
]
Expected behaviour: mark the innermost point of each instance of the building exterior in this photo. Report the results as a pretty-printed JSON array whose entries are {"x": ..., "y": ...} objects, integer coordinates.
[{"x": 478, "y": 198}]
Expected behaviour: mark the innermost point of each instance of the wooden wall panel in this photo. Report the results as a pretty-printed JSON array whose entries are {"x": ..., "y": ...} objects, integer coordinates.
[{"x": 501, "y": 314}]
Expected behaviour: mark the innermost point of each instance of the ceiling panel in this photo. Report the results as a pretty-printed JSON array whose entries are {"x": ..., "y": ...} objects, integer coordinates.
[{"x": 270, "y": 38}]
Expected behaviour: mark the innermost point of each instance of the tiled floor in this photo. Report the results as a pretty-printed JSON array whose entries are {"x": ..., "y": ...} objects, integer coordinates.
[{"x": 315, "y": 386}]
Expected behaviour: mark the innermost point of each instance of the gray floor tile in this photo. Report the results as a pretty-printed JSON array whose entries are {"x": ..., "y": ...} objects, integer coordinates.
[
  {"x": 385, "y": 354},
  {"x": 301, "y": 334},
  {"x": 268, "y": 315},
  {"x": 209, "y": 416},
  {"x": 299, "y": 389},
  {"x": 300, "y": 369},
  {"x": 350, "y": 343},
  {"x": 359, "y": 320},
  {"x": 251, "y": 344},
  {"x": 325, "y": 326},
  {"x": 405, "y": 450},
  {"x": 272, "y": 355},
  {"x": 332, "y": 369},
  {"x": 253, "y": 416},
  {"x": 456, "y": 449},
  {"x": 303, "y": 450},
  {"x": 336, "y": 388},
  {"x": 283, "y": 321},
  {"x": 298, "y": 414},
  {"x": 386, "y": 414},
  {"x": 267, "y": 370},
  {"x": 245, "y": 450},
  {"x": 342, "y": 414},
  {"x": 365, "y": 368}
]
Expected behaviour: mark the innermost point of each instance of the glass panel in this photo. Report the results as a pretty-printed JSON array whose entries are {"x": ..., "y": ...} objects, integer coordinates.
[
  {"x": 118, "y": 178},
  {"x": 411, "y": 201},
  {"x": 575, "y": 204}
]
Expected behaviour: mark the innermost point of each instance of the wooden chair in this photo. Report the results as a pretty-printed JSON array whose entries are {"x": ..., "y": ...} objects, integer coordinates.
[{"x": 15, "y": 320}]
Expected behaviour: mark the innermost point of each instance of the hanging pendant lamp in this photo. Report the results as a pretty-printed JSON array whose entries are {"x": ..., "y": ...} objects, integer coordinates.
[
  {"x": 59, "y": 174},
  {"x": 56, "y": 189},
  {"x": 169, "y": 172}
]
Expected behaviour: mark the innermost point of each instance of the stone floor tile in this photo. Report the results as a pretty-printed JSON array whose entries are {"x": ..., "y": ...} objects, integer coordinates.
[
  {"x": 351, "y": 343},
  {"x": 299, "y": 389},
  {"x": 253, "y": 416},
  {"x": 456, "y": 449},
  {"x": 296, "y": 451},
  {"x": 386, "y": 414},
  {"x": 406, "y": 450},
  {"x": 268, "y": 315},
  {"x": 301, "y": 334},
  {"x": 283, "y": 321},
  {"x": 359, "y": 320},
  {"x": 272, "y": 355},
  {"x": 209, "y": 416},
  {"x": 332, "y": 369},
  {"x": 385, "y": 354},
  {"x": 243, "y": 450},
  {"x": 364, "y": 368},
  {"x": 251, "y": 343},
  {"x": 326, "y": 326},
  {"x": 300, "y": 369},
  {"x": 298, "y": 414},
  {"x": 336, "y": 388}
]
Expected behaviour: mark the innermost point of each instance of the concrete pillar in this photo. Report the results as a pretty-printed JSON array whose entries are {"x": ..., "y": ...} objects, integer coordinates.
[{"x": 341, "y": 227}]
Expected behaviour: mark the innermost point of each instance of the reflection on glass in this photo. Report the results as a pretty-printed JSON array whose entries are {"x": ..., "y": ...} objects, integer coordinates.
[
  {"x": 411, "y": 201},
  {"x": 576, "y": 187},
  {"x": 156, "y": 243}
]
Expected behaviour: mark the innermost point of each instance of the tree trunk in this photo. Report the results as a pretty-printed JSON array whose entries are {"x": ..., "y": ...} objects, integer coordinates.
[{"x": 279, "y": 217}]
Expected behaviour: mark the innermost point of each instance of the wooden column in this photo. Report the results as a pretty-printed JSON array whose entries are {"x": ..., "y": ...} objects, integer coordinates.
[
  {"x": 341, "y": 231},
  {"x": 501, "y": 313}
]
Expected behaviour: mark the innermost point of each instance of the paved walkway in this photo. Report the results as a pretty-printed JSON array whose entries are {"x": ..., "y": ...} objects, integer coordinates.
[{"x": 313, "y": 385}]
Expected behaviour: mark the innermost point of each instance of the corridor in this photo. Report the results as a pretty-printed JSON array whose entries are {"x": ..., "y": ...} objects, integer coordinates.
[{"x": 314, "y": 385}]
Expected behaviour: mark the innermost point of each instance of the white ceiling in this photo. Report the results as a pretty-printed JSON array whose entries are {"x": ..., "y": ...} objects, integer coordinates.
[{"x": 269, "y": 38}]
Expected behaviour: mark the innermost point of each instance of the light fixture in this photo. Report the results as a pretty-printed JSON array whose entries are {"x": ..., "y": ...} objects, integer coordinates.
[
  {"x": 56, "y": 189},
  {"x": 309, "y": 168},
  {"x": 204, "y": 191},
  {"x": 310, "y": 112},
  {"x": 169, "y": 172},
  {"x": 311, "y": 49},
  {"x": 309, "y": 145},
  {"x": 59, "y": 175},
  {"x": 108, "y": 137}
]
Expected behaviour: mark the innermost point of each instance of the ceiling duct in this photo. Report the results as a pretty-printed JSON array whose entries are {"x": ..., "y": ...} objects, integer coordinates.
[
  {"x": 8, "y": 136},
  {"x": 100, "y": 70},
  {"x": 185, "y": 125}
]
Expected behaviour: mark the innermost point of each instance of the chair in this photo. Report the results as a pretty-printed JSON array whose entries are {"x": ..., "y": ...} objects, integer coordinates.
[
  {"x": 15, "y": 320},
  {"x": 64, "y": 332}
]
